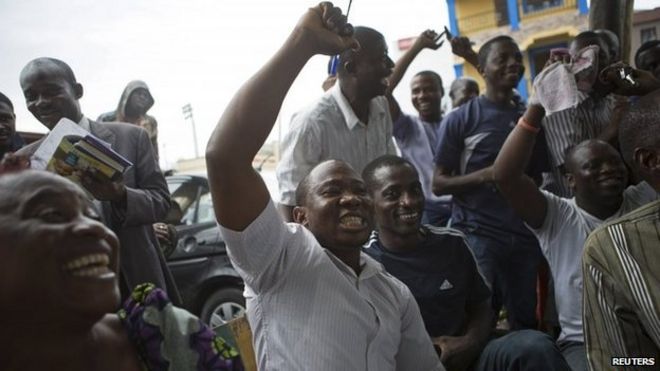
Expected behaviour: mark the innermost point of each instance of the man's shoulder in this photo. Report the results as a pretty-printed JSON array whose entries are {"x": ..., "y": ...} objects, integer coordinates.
[
  {"x": 118, "y": 128},
  {"x": 107, "y": 116},
  {"x": 322, "y": 108},
  {"x": 445, "y": 240},
  {"x": 460, "y": 115},
  {"x": 435, "y": 233},
  {"x": 647, "y": 213}
]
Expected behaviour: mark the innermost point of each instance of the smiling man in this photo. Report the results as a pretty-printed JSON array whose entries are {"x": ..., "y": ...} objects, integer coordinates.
[
  {"x": 598, "y": 178},
  {"x": 314, "y": 301},
  {"x": 438, "y": 267},
  {"x": 470, "y": 138},
  {"x": 351, "y": 122},
  {"x": 128, "y": 206},
  {"x": 417, "y": 136}
]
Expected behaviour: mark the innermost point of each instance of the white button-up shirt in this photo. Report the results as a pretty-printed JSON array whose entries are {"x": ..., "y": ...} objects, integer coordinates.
[
  {"x": 310, "y": 311},
  {"x": 330, "y": 130}
]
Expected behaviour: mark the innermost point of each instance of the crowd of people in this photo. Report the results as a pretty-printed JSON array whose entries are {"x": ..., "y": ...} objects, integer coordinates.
[{"x": 399, "y": 241}]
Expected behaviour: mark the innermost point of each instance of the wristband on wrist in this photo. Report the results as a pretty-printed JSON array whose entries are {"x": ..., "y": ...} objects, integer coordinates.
[{"x": 527, "y": 126}]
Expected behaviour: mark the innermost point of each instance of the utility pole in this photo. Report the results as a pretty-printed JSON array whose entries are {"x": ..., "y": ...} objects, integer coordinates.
[
  {"x": 616, "y": 16},
  {"x": 188, "y": 115}
]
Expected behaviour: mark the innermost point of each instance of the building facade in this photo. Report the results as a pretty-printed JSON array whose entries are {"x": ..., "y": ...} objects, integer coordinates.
[
  {"x": 646, "y": 27},
  {"x": 537, "y": 26}
]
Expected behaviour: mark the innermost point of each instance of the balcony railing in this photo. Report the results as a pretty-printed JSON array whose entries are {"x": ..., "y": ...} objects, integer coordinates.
[
  {"x": 481, "y": 21},
  {"x": 535, "y": 8},
  {"x": 527, "y": 9}
]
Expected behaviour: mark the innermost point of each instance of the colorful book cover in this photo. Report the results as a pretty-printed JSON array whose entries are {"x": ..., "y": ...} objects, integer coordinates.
[{"x": 69, "y": 161}]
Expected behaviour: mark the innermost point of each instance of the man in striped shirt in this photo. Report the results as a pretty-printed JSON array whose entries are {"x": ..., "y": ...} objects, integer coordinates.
[
  {"x": 314, "y": 300},
  {"x": 351, "y": 122},
  {"x": 588, "y": 120},
  {"x": 620, "y": 263}
]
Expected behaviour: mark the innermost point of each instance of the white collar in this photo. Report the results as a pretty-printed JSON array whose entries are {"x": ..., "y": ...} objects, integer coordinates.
[{"x": 350, "y": 117}]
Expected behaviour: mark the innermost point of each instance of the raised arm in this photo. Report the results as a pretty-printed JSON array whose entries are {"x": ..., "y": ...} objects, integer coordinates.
[
  {"x": 462, "y": 47},
  {"x": 509, "y": 169},
  {"x": 239, "y": 193},
  {"x": 427, "y": 39}
]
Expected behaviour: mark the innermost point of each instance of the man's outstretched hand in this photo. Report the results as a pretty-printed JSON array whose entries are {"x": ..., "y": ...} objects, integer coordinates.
[
  {"x": 328, "y": 30},
  {"x": 429, "y": 39},
  {"x": 625, "y": 80},
  {"x": 462, "y": 46}
]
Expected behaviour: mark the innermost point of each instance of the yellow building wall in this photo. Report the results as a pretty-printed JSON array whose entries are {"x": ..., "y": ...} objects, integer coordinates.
[
  {"x": 466, "y": 8},
  {"x": 475, "y": 15}
]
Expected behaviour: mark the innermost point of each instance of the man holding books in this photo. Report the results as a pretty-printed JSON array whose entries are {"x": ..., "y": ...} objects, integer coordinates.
[{"x": 129, "y": 204}]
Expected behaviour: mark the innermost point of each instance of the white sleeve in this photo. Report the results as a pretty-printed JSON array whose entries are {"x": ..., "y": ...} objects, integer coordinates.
[
  {"x": 416, "y": 350},
  {"x": 257, "y": 251},
  {"x": 301, "y": 151},
  {"x": 556, "y": 214}
]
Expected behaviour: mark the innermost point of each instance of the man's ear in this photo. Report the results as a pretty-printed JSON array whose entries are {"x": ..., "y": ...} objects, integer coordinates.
[
  {"x": 78, "y": 90},
  {"x": 646, "y": 159},
  {"x": 349, "y": 66},
  {"x": 481, "y": 71},
  {"x": 300, "y": 215},
  {"x": 570, "y": 179}
]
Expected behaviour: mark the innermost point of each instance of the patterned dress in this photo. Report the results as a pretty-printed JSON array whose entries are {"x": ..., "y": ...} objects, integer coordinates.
[{"x": 171, "y": 339}]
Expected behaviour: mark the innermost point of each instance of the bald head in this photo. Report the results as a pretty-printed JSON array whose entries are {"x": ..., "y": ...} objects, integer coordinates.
[
  {"x": 51, "y": 91},
  {"x": 462, "y": 90},
  {"x": 576, "y": 155},
  {"x": 368, "y": 39},
  {"x": 319, "y": 173},
  {"x": 52, "y": 65},
  {"x": 16, "y": 186}
]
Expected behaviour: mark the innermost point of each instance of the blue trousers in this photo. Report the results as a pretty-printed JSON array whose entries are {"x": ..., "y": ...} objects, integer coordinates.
[
  {"x": 575, "y": 354},
  {"x": 510, "y": 265},
  {"x": 524, "y": 350}
]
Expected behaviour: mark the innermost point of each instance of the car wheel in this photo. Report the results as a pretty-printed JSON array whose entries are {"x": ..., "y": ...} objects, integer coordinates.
[{"x": 222, "y": 306}]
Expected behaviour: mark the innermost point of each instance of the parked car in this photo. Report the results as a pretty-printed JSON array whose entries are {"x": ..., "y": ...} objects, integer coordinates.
[{"x": 209, "y": 285}]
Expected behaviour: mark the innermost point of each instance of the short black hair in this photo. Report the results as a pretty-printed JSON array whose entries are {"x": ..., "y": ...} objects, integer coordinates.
[
  {"x": 644, "y": 47},
  {"x": 365, "y": 36},
  {"x": 302, "y": 190},
  {"x": 67, "y": 72},
  {"x": 589, "y": 35},
  {"x": 611, "y": 39},
  {"x": 485, "y": 49},
  {"x": 369, "y": 172},
  {"x": 5, "y": 99},
  {"x": 639, "y": 128},
  {"x": 432, "y": 74},
  {"x": 470, "y": 84}
]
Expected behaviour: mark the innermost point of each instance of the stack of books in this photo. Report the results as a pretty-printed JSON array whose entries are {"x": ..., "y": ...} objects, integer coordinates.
[{"x": 87, "y": 153}]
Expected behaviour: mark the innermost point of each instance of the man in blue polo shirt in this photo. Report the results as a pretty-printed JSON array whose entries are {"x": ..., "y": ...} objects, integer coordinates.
[
  {"x": 470, "y": 137},
  {"x": 440, "y": 271}
]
